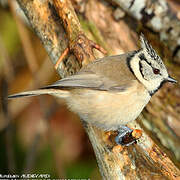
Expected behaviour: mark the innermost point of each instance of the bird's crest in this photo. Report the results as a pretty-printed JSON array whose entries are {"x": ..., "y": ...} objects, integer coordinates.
[{"x": 148, "y": 48}]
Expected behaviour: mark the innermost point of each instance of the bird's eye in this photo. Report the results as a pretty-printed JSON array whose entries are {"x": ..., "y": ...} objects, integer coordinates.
[{"x": 156, "y": 71}]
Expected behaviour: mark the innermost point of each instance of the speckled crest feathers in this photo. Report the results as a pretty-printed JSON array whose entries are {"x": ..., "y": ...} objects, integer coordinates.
[{"x": 152, "y": 53}]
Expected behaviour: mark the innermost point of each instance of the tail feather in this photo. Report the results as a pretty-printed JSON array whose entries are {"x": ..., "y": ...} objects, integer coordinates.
[{"x": 60, "y": 93}]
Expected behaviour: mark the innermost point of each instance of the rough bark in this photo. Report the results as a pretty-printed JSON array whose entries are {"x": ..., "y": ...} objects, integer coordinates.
[
  {"x": 157, "y": 16},
  {"x": 45, "y": 20},
  {"x": 140, "y": 161}
]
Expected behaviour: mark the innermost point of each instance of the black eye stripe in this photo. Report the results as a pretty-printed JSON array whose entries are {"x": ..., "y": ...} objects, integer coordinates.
[
  {"x": 142, "y": 57},
  {"x": 140, "y": 69}
]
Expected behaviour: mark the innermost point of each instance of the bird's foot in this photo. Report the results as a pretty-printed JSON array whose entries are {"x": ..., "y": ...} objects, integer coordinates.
[{"x": 127, "y": 136}]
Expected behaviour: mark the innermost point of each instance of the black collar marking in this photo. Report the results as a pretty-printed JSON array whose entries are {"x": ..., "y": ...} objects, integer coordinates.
[
  {"x": 129, "y": 58},
  {"x": 153, "y": 92}
]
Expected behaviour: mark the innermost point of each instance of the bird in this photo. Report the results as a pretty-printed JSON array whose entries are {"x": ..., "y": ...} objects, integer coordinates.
[{"x": 111, "y": 91}]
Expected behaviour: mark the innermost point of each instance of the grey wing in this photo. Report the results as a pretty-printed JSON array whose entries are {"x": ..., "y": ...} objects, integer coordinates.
[
  {"x": 88, "y": 80},
  {"x": 78, "y": 81}
]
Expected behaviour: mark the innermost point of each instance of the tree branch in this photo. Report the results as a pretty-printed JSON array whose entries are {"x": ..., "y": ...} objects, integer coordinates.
[{"x": 47, "y": 25}]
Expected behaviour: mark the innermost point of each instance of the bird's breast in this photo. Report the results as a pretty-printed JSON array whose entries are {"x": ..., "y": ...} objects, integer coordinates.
[{"x": 107, "y": 109}]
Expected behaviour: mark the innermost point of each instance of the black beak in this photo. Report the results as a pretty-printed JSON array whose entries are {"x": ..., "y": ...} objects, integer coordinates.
[{"x": 170, "y": 79}]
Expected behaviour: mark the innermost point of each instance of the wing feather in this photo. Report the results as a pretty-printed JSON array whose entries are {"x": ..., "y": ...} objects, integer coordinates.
[{"x": 89, "y": 80}]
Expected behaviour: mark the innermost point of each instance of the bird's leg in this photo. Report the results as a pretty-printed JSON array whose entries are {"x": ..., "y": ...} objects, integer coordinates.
[{"x": 124, "y": 136}]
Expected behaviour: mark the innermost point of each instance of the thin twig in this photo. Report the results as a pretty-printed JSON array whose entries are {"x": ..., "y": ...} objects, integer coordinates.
[{"x": 63, "y": 55}]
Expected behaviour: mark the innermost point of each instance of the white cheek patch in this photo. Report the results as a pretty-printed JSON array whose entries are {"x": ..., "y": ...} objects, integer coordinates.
[
  {"x": 149, "y": 81},
  {"x": 146, "y": 70}
]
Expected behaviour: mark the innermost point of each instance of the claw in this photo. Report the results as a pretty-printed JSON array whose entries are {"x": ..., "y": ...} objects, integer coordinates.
[{"x": 125, "y": 137}]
